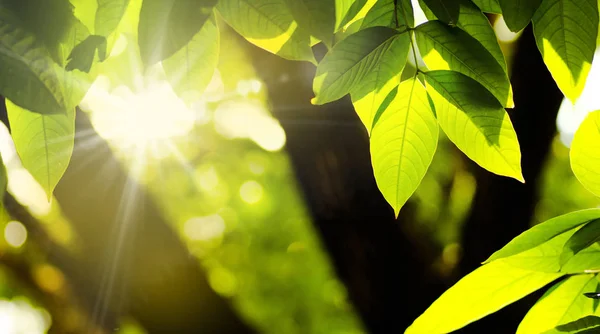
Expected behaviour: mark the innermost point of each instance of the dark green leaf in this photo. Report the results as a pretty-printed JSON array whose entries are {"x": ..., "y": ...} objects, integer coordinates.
[
  {"x": 371, "y": 91},
  {"x": 82, "y": 56},
  {"x": 488, "y": 6},
  {"x": 445, "y": 10},
  {"x": 167, "y": 25},
  {"x": 352, "y": 60},
  {"x": 476, "y": 122},
  {"x": 317, "y": 17},
  {"x": 382, "y": 14},
  {"x": 476, "y": 24},
  {"x": 450, "y": 48},
  {"x": 545, "y": 231},
  {"x": 586, "y": 325},
  {"x": 518, "y": 13}
]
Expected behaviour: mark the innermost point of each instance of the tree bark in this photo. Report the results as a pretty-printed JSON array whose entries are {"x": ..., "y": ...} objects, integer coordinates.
[
  {"x": 503, "y": 208},
  {"x": 387, "y": 280}
]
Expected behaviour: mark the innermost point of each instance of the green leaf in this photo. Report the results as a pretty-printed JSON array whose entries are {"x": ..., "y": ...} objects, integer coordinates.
[
  {"x": 109, "y": 15},
  {"x": 382, "y": 14},
  {"x": 190, "y": 69},
  {"x": 476, "y": 122},
  {"x": 268, "y": 24},
  {"x": 589, "y": 325},
  {"x": 403, "y": 143},
  {"x": 28, "y": 75},
  {"x": 346, "y": 10},
  {"x": 317, "y": 17},
  {"x": 476, "y": 24},
  {"x": 370, "y": 91},
  {"x": 488, "y": 6},
  {"x": 565, "y": 32},
  {"x": 351, "y": 61},
  {"x": 585, "y": 261},
  {"x": 563, "y": 303},
  {"x": 482, "y": 292},
  {"x": 545, "y": 231},
  {"x": 450, "y": 48},
  {"x": 44, "y": 143},
  {"x": 3, "y": 179},
  {"x": 585, "y": 153},
  {"x": 445, "y": 10},
  {"x": 582, "y": 239},
  {"x": 82, "y": 55},
  {"x": 518, "y": 13},
  {"x": 167, "y": 25},
  {"x": 544, "y": 257}
]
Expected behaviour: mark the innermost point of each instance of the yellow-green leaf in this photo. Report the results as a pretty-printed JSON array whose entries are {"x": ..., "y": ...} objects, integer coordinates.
[
  {"x": 450, "y": 48},
  {"x": 476, "y": 24},
  {"x": 268, "y": 24},
  {"x": 563, "y": 303},
  {"x": 565, "y": 32},
  {"x": 480, "y": 293},
  {"x": 476, "y": 122},
  {"x": 317, "y": 17},
  {"x": 582, "y": 239},
  {"x": 165, "y": 26},
  {"x": 190, "y": 69},
  {"x": 385, "y": 12},
  {"x": 585, "y": 153},
  {"x": 545, "y": 231},
  {"x": 372, "y": 90},
  {"x": 44, "y": 142},
  {"x": 352, "y": 60},
  {"x": 108, "y": 16},
  {"x": 403, "y": 142},
  {"x": 346, "y": 10}
]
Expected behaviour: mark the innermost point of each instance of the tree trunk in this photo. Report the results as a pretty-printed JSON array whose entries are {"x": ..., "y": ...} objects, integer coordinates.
[
  {"x": 502, "y": 207},
  {"x": 387, "y": 281}
]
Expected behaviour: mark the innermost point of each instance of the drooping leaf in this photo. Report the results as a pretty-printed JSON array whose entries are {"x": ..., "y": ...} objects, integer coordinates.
[
  {"x": 165, "y": 26},
  {"x": 82, "y": 56},
  {"x": 403, "y": 143},
  {"x": 317, "y": 17},
  {"x": 476, "y": 122},
  {"x": 109, "y": 15},
  {"x": 585, "y": 153},
  {"x": 545, "y": 231},
  {"x": 268, "y": 24},
  {"x": 382, "y": 14},
  {"x": 190, "y": 69},
  {"x": 445, "y": 10},
  {"x": 582, "y": 239},
  {"x": 369, "y": 92},
  {"x": 488, "y": 6},
  {"x": 565, "y": 32},
  {"x": 476, "y": 24},
  {"x": 563, "y": 303},
  {"x": 346, "y": 10},
  {"x": 44, "y": 142},
  {"x": 588, "y": 325},
  {"x": 28, "y": 75},
  {"x": 518, "y": 13},
  {"x": 482, "y": 292},
  {"x": 450, "y": 48},
  {"x": 351, "y": 60}
]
